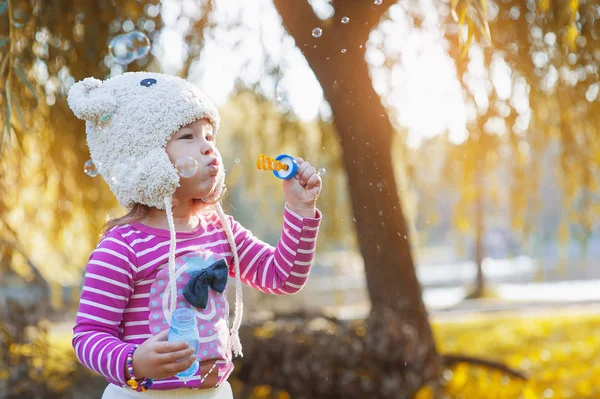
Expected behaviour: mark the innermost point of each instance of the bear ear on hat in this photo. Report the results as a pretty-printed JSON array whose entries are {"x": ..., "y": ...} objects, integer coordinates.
[{"x": 89, "y": 101}]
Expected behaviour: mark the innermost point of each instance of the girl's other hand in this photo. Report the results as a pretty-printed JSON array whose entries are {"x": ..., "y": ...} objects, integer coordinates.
[{"x": 157, "y": 358}]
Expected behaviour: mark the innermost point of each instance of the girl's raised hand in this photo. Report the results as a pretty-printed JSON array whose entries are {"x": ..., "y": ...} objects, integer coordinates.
[
  {"x": 157, "y": 358},
  {"x": 303, "y": 190}
]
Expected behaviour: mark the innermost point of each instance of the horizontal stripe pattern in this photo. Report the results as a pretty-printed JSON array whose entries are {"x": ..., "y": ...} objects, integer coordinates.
[{"x": 113, "y": 310}]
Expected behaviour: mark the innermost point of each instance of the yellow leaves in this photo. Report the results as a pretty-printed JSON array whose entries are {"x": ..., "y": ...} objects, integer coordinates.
[
  {"x": 484, "y": 6},
  {"x": 467, "y": 45},
  {"x": 563, "y": 232},
  {"x": 596, "y": 156},
  {"x": 517, "y": 223},
  {"x": 425, "y": 393},
  {"x": 133, "y": 10},
  {"x": 471, "y": 16},
  {"x": 585, "y": 387},
  {"x": 360, "y": 331},
  {"x": 264, "y": 332},
  {"x": 462, "y": 224},
  {"x": 572, "y": 31},
  {"x": 558, "y": 350},
  {"x": 267, "y": 392},
  {"x": 261, "y": 392},
  {"x": 460, "y": 377},
  {"x": 574, "y": 6},
  {"x": 463, "y": 16},
  {"x": 453, "y": 5},
  {"x": 283, "y": 395},
  {"x": 470, "y": 192},
  {"x": 544, "y": 5},
  {"x": 528, "y": 393},
  {"x": 572, "y": 35}
]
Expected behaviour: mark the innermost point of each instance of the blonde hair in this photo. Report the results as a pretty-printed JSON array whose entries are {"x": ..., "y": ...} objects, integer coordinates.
[{"x": 139, "y": 212}]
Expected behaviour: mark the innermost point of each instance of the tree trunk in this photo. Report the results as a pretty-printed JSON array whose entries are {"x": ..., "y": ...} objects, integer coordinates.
[{"x": 366, "y": 134}]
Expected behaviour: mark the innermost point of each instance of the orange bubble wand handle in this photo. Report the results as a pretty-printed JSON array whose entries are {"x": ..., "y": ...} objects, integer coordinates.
[
  {"x": 283, "y": 167},
  {"x": 267, "y": 163}
]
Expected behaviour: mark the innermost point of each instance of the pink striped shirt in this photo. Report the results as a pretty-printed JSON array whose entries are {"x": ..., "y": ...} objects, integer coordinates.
[{"x": 124, "y": 295}]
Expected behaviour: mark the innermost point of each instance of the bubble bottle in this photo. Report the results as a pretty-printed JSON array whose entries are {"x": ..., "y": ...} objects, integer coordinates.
[{"x": 184, "y": 329}]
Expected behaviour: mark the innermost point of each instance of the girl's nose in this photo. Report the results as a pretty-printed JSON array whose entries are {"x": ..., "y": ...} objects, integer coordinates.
[{"x": 207, "y": 149}]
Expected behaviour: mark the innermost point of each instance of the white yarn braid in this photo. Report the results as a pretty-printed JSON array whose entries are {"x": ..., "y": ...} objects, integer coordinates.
[
  {"x": 173, "y": 243},
  {"x": 239, "y": 302}
]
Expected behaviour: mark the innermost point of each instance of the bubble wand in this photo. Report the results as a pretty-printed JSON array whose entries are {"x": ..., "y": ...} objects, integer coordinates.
[{"x": 283, "y": 166}]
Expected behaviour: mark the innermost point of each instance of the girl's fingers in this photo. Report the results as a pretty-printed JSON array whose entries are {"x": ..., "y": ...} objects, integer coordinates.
[
  {"x": 313, "y": 181},
  {"x": 302, "y": 166},
  {"x": 176, "y": 367},
  {"x": 168, "y": 347},
  {"x": 308, "y": 172},
  {"x": 161, "y": 336},
  {"x": 176, "y": 356}
]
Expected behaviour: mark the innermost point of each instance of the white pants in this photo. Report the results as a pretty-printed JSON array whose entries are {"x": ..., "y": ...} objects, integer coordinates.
[{"x": 222, "y": 392}]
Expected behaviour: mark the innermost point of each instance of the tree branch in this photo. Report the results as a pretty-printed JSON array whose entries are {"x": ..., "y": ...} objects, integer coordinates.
[
  {"x": 296, "y": 16},
  {"x": 35, "y": 270},
  {"x": 306, "y": 314},
  {"x": 364, "y": 14},
  {"x": 196, "y": 35},
  {"x": 449, "y": 360}
]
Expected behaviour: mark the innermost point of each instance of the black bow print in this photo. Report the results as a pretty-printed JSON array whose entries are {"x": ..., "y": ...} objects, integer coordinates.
[{"x": 214, "y": 276}]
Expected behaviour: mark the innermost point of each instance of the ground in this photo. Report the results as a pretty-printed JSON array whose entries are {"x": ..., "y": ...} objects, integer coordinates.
[{"x": 557, "y": 347}]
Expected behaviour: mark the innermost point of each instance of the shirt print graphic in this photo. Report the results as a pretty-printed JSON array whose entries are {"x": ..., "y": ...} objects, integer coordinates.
[{"x": 212, "y": 324}]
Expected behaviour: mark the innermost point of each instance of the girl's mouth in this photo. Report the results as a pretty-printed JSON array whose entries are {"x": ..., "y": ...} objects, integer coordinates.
[{"x": 213, "y": 169}]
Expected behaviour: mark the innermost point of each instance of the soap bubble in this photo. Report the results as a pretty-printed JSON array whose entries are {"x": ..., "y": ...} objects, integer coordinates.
[
  {"x": 20, "y": 16},
  {"x": 140, "y": 42},
  {"x": 345, "y": 20},
  {"x": 343, "y": 51},
  {"x": 120, "y": 174},
  {"x": 237, "y": 160},
  {"x": 321, "y": 171},
  {"x": 281, "y": 97},
  {"x": 134, "y": 170},
  {"x": 280, "y": 93},
  {"x": 317, "y": 32},
  {"x": 186, "y": 167},
  {"x": 125, "y": 49},
  {"x": 90, "y": 169},
  {"x": 378, "y": 2}
]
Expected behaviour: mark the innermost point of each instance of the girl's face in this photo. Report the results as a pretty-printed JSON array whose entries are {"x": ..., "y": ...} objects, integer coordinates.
[{"x": 196, "y": 141}]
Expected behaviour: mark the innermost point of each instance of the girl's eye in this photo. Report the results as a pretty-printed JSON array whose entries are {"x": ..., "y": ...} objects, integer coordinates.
[{"x": 187, "y": 136}]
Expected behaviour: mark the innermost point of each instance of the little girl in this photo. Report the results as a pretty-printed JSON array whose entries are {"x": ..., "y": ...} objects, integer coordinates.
[{"x": 152, "y": 138}]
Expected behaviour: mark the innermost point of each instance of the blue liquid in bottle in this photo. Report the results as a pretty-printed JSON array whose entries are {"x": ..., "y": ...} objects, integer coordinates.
[{"x": 184, "y": 329}]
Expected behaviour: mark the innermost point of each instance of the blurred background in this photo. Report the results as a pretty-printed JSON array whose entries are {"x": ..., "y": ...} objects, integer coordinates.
[{"x": 458, "y": 146}]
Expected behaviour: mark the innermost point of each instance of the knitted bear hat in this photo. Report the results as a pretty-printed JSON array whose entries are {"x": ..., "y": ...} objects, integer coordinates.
[{"x": 129, "y": 120}]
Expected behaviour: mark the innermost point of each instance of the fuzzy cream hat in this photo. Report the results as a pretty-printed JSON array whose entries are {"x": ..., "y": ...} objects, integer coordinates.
[{"x": 129, "y": 120}]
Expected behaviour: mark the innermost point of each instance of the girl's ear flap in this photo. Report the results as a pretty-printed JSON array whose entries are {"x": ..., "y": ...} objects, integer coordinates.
[{"x": 89, "y": 101}]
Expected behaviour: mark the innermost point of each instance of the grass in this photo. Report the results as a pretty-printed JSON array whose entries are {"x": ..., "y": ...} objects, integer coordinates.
[{"x": 559, "y": 349}]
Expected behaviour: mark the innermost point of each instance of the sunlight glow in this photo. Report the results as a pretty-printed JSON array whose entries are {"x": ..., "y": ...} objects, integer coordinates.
[{"x": 420, "y": 88}]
